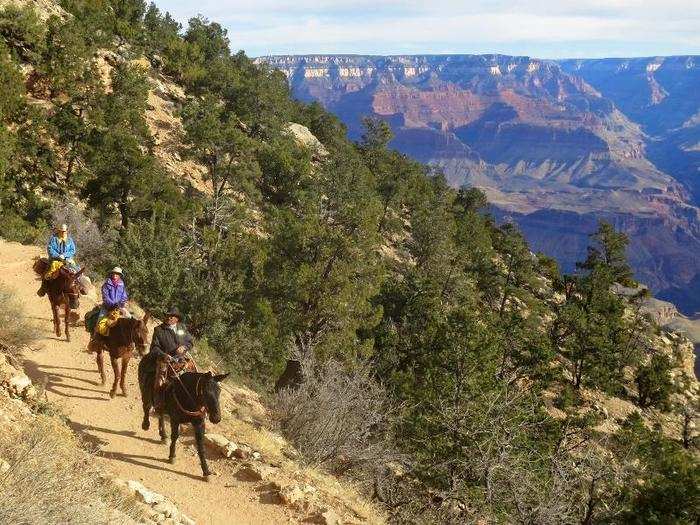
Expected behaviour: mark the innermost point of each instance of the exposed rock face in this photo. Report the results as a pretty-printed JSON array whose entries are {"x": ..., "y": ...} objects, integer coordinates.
[{"x": 556, "y": 146}]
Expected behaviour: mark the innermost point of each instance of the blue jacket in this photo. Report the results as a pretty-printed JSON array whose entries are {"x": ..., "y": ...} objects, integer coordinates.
[
  {"x": 57, "y": 247},
  {"x": 114, "y": 295}
]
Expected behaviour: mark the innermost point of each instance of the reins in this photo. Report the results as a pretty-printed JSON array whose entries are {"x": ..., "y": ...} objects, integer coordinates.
[{"x": 202, "y": 409}]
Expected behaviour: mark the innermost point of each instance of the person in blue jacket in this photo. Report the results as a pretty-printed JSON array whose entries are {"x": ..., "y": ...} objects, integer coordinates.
[
  {"x": 114, "y": 294},
  {"x": 61, "y": 247}
]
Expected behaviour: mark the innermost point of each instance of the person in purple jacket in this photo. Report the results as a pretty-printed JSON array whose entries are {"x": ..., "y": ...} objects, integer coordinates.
[{"x": 114, "y": 295}]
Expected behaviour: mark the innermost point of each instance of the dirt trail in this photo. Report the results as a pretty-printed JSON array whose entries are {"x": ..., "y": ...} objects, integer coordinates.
[{"x": 113, "y": 426}]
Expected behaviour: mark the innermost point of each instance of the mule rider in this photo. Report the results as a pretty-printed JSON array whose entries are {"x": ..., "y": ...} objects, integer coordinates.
[
  {"x": 170, "y": 342},
  {"x": 114, "y": 301},
  {"x": 61, "y": 249}
]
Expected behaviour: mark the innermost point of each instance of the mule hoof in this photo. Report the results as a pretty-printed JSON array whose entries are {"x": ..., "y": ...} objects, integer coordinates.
[
  {"x": 163, "y": 439},
  {"x": 206, "y": 477},
  {"x": 145, "y": 424},
  {"x": 112, "y": 393},
  {"x": 103, "y": 381},
  {"x": 171, "y": 460},
  {"x": 124, "y": 392}
]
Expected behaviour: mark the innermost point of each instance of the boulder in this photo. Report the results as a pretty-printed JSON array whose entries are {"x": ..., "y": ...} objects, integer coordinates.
[
  {"x": 166, "y": 508},
  {"x": 243, "y": 452},
  {"x": 143, "y": 494},
  {"x": 221, "y": 445},
  {"x": 303, "y": 136},
  {"x": 16, "y": 382},
  {"x": 254, "y": 472},
  {"x": 297, "y": 496},
  {"x": 324, "y": 517}
]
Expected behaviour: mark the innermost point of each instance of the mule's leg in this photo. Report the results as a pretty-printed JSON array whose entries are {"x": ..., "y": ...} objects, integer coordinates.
[
  {"x": 174, "y": 434},
  {"x": 125, "y": 364},
  {"x": 99, "y": 357},
  {"x": 56, "y": 320},
  {"x": 146, "y": 403},
  {"x": 199, "y": 437},
  {"x": 117, "y": 375},
  {"x": 161, "y": 427},
  {"x": 66, "y": 319}
]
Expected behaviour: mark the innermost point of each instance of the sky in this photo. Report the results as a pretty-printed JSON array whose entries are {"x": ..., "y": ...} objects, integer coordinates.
[{"x": 542, "y": 29}]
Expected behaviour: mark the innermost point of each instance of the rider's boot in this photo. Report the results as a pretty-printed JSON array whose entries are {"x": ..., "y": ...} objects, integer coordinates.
[{"x": 41, "y": 292}]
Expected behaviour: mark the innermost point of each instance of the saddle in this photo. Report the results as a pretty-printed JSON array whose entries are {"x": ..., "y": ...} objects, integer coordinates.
[
  {"x": 166, "y": 374},
  {"x": 108, "y": 321}
]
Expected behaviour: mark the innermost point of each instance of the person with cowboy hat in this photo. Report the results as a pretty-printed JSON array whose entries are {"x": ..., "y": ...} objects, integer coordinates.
[
  {"x": 171, "y": 339},
  {"x": 171, "y": 342},
  {"x": 60, "y": 249}
]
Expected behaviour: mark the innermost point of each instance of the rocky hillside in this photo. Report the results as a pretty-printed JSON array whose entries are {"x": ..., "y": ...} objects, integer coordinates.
[{"x": 552, "y": 146}]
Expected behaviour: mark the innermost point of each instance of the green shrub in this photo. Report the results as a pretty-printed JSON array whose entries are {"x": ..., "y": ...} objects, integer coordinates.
[
  {"x": 654, "y": 382},
  {"x": 15, "y": 228}
]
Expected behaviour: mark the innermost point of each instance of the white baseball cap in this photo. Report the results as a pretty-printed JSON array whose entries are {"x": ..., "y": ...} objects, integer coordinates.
[
  {"x": 62, "y": 227},
  {"x": 117, "y": 269}
]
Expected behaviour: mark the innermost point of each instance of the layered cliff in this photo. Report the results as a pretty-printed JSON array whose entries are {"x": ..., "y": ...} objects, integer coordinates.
[{"x": 556, "y": 146}]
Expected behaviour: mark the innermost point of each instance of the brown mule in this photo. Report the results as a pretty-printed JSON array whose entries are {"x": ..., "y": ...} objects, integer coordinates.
[
  {"x": 126, "y": 334},
  {"x": 63, "y": 291}
]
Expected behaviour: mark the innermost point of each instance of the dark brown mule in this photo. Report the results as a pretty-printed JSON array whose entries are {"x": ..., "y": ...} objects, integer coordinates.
[
  {"x": 63, "y": 291},
  {"x": 126, "y": 334}
]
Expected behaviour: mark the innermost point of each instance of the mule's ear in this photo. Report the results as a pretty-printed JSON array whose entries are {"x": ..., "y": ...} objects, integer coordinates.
[{"x": 221, "y": 377}]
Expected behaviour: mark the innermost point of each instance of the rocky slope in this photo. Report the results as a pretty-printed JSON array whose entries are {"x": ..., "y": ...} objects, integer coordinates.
[{"x": 552, "y": 151}]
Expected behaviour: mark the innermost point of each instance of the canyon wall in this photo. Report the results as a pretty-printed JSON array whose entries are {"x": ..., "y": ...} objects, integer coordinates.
[{"x": 555, "y": 145}]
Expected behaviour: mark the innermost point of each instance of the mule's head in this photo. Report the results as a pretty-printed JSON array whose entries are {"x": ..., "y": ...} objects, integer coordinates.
[
  {"x": 68, "y": 280},
  {"x": 211, "y": 393},
  {"x": 141, "y": 333}
]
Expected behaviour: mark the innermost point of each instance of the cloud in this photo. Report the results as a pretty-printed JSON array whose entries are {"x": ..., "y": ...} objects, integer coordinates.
[{"x": 543, "y": 28}]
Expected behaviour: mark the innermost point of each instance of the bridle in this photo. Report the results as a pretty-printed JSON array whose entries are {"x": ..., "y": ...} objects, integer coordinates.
[
  {"x": 72, "y": 286},
  {"x": 202, "y": 410},
  {"x": 135, "y": 326}
]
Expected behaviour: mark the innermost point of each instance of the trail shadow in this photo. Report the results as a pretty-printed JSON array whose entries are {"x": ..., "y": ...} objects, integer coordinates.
[
  {"x": 83, "y": 388},
  {"x": 53, "y": 377},
  {"x": 69, "y": 368},
  {"x": 135, "y": 459},
  {"x": 47, "y": 319},
  {"x": 52, "y": 382},
  {"x": 63, "y": 376},
  {"x": 86, "y": 429}
]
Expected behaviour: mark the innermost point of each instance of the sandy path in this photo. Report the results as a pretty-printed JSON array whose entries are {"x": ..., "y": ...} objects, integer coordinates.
[{"x": 113, "y": 426}]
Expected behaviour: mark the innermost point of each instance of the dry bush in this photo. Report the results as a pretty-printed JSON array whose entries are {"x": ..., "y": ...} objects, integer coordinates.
[
  {"x": 15, "y": 331},
  {"x": 94, "y": 245},
  {"x": 51, "y": 479},
  {"x": 338, "y": 419}
]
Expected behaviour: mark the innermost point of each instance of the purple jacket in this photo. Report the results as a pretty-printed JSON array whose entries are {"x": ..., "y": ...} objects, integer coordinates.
[{"x": 114, "y": 295}]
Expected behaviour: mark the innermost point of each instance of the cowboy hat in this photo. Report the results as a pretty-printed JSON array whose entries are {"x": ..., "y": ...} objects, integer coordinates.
[
  {"x": 174, "y": 312},
  {"x": 116, "y": 269}
]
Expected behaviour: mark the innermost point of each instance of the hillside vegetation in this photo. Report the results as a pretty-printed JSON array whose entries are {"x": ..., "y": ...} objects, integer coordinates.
[{"x": 455, "y": 374}]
